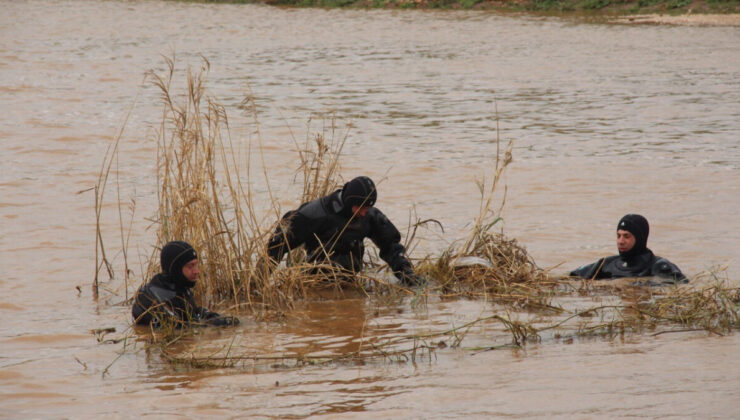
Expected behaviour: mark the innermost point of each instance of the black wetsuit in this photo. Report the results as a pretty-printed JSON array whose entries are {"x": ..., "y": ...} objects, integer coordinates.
[
  {"x": 161, "y": 300},
  {"x": 326, "y": 228},
  {"x": 645, "y": 264}
]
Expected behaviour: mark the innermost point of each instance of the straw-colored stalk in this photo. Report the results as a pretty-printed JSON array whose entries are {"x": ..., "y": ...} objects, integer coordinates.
[{"x": 196, "y": 203}]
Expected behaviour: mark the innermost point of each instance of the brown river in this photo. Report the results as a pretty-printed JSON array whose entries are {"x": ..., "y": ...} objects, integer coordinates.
[{"x": 605, "y": 119}]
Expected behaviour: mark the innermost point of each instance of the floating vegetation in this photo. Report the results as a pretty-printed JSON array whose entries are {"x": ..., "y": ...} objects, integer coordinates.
[
  {"x": 714, "y": 308},
  {"x": 402, "y": 348},
  {"x": 203, "y": 196},
  {"x": 497, "y": 268}
]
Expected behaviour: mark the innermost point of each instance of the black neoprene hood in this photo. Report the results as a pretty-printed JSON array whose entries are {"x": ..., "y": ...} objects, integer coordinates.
[
  {"x": 359, "y": 192},
  {"x": 174, "y": 256},
  {"x": 638, "y": 226}
]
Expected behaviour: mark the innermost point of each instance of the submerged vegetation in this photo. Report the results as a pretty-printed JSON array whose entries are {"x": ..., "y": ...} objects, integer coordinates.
[
  {"x": 205, "y": 197},
  {"x": 608, "y": 7}
]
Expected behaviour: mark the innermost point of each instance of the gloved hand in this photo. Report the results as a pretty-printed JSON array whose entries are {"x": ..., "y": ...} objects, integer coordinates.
[
  {"x": 409, "y": 278},
  {"x": 223, "y": 321}
]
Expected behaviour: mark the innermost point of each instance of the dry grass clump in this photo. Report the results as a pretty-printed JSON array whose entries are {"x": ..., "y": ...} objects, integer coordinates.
[
  {"x": 714, "y": 308},
  {"x": 507, "y": 264},
  {"x": 497, "y": 268}
]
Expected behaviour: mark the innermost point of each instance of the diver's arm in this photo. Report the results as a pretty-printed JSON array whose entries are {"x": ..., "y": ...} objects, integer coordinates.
[
  {"x": 591, "y": 271},
  {"x": 291, "y": 232},
  {"x": 214, "y": 318},
  {"x": 666, "y": 269},
  {"x": 388, "y": 239}
]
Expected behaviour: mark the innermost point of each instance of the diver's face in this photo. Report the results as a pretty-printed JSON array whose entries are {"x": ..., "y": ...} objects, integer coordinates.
[
  {"x": 360, "y": 211},
  {"x": 191, "y": 270},
  {"x": 625, "y": 240}
]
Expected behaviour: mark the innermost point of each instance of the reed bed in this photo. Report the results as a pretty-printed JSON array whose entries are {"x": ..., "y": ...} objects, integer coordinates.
[{"x": 203, "y": 197}]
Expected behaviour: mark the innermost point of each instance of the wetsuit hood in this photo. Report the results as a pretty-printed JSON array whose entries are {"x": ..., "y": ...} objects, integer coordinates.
[
  {"x": 638, "y": 226},
  {"x": 359, "y": 192},
  {"x": 173, "y": 258}
]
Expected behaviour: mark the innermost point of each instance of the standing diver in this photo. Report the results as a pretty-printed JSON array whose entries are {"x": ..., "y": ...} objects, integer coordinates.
[
  {"x": 168, "y": 297},
  {"x": 333, "y": 228},
  {"x": 635, "y": 259}
]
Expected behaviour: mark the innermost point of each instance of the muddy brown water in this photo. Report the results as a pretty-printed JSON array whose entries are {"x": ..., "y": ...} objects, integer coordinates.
[{"x": 606, "y": 119}]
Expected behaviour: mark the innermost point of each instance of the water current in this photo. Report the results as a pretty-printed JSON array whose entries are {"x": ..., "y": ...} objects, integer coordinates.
[{"x": 605, "y": 119}]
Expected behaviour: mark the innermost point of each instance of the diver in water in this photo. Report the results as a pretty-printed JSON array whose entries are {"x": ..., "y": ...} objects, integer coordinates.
[
  {"x": 634, "y": 259},
  {"x": 168, "y": 297},
  {"x": 334, "y": 227}
]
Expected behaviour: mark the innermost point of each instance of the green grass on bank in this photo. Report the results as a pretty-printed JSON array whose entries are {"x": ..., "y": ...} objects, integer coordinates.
[{"x": 609, "y": 7}]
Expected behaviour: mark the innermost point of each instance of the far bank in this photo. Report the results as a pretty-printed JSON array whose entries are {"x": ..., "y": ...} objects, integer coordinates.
[{"x": 606, "y": 8}]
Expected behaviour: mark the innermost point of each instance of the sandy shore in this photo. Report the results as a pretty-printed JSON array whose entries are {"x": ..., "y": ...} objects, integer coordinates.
[{"x": 687, "y": 19}]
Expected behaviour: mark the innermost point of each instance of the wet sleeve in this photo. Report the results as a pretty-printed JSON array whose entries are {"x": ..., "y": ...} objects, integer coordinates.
[
  {"x": 222, "y": 321},
  {"x": 148, "y": 309},
  {"x": 191, "y": 313},
  {"x": 204, "y": 314},
  {"x": 590, "y": 271},
  {"x": 141, "y": 308},
  {"x": 292, "y": 231},
  {"x": 217, "y": 320},
  {"x": 388, "y": 239},
  {"x": 209, "y": 317},
  {"x": 666, "y": 269}
]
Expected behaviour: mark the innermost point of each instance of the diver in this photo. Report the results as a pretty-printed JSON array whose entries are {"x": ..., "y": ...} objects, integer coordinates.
[
  {"x": 332, "y": 229},
  {"x": 635, "y": 259},
  {"x": 168, "y": 297}
]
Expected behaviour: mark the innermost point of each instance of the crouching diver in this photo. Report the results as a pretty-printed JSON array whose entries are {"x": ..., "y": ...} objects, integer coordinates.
[
  {"x": 168, "y": 297},
  {"x": 634, "y": 259},
  {"x": 333, "y": 228}
]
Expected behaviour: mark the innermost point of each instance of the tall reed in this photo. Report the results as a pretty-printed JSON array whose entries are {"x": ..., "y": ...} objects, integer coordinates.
[{"x": 201, "y": 198}]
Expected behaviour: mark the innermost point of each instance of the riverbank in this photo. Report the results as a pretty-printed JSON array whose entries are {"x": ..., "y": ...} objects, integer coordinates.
[
  {"x": 687, "y": 19},
  {"x": 692, "y": 12}
]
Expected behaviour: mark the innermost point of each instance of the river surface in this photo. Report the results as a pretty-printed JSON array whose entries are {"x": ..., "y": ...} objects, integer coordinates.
[{"x": 605, "y": 119}]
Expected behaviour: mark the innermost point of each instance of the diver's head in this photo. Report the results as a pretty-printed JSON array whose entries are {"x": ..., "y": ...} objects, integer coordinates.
[
  {"x": 632, "y": 235},
  {"x": 180, "y": 263},
  {"x": 358, "y": 195}
]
